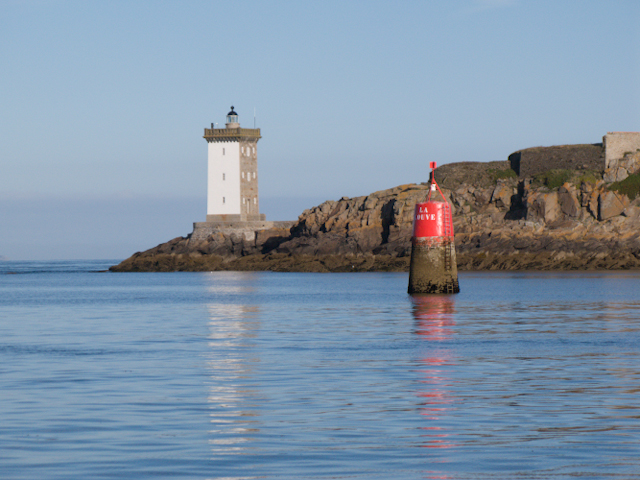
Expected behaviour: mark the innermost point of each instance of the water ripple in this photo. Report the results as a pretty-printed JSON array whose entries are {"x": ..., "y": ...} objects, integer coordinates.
[{"x": 262, "y": 375}]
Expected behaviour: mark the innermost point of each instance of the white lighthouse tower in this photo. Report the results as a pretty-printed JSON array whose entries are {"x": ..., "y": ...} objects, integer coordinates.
[{"x": 232, "y": 192}]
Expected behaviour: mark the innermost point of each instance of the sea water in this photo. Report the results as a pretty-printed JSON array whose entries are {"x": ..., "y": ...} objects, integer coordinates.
[{"x": 300, "y": 375}]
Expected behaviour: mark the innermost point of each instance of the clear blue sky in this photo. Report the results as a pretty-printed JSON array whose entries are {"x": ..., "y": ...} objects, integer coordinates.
[{"x": 103, "y": 103}]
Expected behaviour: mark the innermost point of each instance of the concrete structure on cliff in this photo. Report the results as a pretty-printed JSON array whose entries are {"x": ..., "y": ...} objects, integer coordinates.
[
  {"x": 233, "y": 204},
  {"x": 618, "y": 144}
]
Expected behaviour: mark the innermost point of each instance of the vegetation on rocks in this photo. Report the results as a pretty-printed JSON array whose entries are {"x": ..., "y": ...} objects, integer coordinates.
[
  {"x": 588, "y": 177},
  {"x": 503, "y": 174},
  {"x": 553, "y": 178},
  {"x": 630, "y": 186}
]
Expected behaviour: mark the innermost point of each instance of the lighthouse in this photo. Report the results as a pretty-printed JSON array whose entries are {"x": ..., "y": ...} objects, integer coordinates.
[{"x": 232, "y": 174}]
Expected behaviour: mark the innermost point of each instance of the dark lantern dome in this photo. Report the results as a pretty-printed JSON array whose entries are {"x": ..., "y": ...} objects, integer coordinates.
[{"x": 232, "y": 112}]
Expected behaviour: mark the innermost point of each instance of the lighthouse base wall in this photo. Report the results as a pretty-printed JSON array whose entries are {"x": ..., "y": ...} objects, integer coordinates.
[
  {"x": 241, "y": 217},
  {"x": 433, "y": 267},
  {"x": 248, "y": 228}
]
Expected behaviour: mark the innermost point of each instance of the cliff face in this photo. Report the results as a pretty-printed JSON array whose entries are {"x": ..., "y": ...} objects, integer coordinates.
[{"x": 559, "y": 219}]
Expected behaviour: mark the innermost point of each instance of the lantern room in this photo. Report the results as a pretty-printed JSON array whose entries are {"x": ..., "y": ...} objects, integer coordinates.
[{"x": 232, "y": 119}]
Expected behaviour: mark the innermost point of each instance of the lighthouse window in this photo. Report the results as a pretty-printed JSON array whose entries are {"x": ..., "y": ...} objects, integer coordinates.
[
  {"x": 243, "y": 200},
  {"x": 242, "y": 174},
  {"x": 224, "y": 176},
  {"x": 254, "y": 174},
  {"x": 255, "y": 200},
  {"x": 223, "y": 151},
  {"x": 223, "y": 200}
]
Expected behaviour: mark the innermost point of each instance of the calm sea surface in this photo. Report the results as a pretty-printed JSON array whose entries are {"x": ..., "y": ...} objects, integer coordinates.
[{"x": 288, "y": 375}]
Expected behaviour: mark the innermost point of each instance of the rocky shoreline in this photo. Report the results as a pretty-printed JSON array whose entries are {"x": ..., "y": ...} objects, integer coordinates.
[{"x": 555, "y": 220}]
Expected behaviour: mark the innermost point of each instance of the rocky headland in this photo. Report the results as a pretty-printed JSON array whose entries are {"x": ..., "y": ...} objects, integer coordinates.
[{"x": 506, "y": 217}]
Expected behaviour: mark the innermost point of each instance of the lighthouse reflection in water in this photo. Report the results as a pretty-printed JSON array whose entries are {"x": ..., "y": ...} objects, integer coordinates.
[{"x": 308, "y": 377}]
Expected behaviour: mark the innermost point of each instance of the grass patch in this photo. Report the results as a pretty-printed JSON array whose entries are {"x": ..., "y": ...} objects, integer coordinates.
[
  {"x": 588, "y": 177},
  {"x": 497, "y": 174},
  {"x": 554, "y": 178},
  {"x": 630, "y": 186}
]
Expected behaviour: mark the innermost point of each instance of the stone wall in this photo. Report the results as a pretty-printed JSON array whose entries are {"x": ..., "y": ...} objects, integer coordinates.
[
  {"x": 202, "y": 230},
  {"x": 223, "y": 220},
  {"x": 249, "y": 178},
  {"x": 532, "y": 161},
  {"x": 617, "y": 144}
]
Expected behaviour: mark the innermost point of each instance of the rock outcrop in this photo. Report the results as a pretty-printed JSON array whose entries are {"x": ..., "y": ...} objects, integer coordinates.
[
  {"x": 559, "y": 219},
  {"x": 622, "y": 168}
]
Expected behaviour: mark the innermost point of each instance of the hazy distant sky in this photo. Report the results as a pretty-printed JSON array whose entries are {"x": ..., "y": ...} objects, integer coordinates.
[{"x": 103, "y": 103}]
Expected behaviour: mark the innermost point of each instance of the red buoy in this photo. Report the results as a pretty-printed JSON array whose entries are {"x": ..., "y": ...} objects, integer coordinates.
[
  {"x": 433, "y": 257},
  {"x": 432, "y": 219}
]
